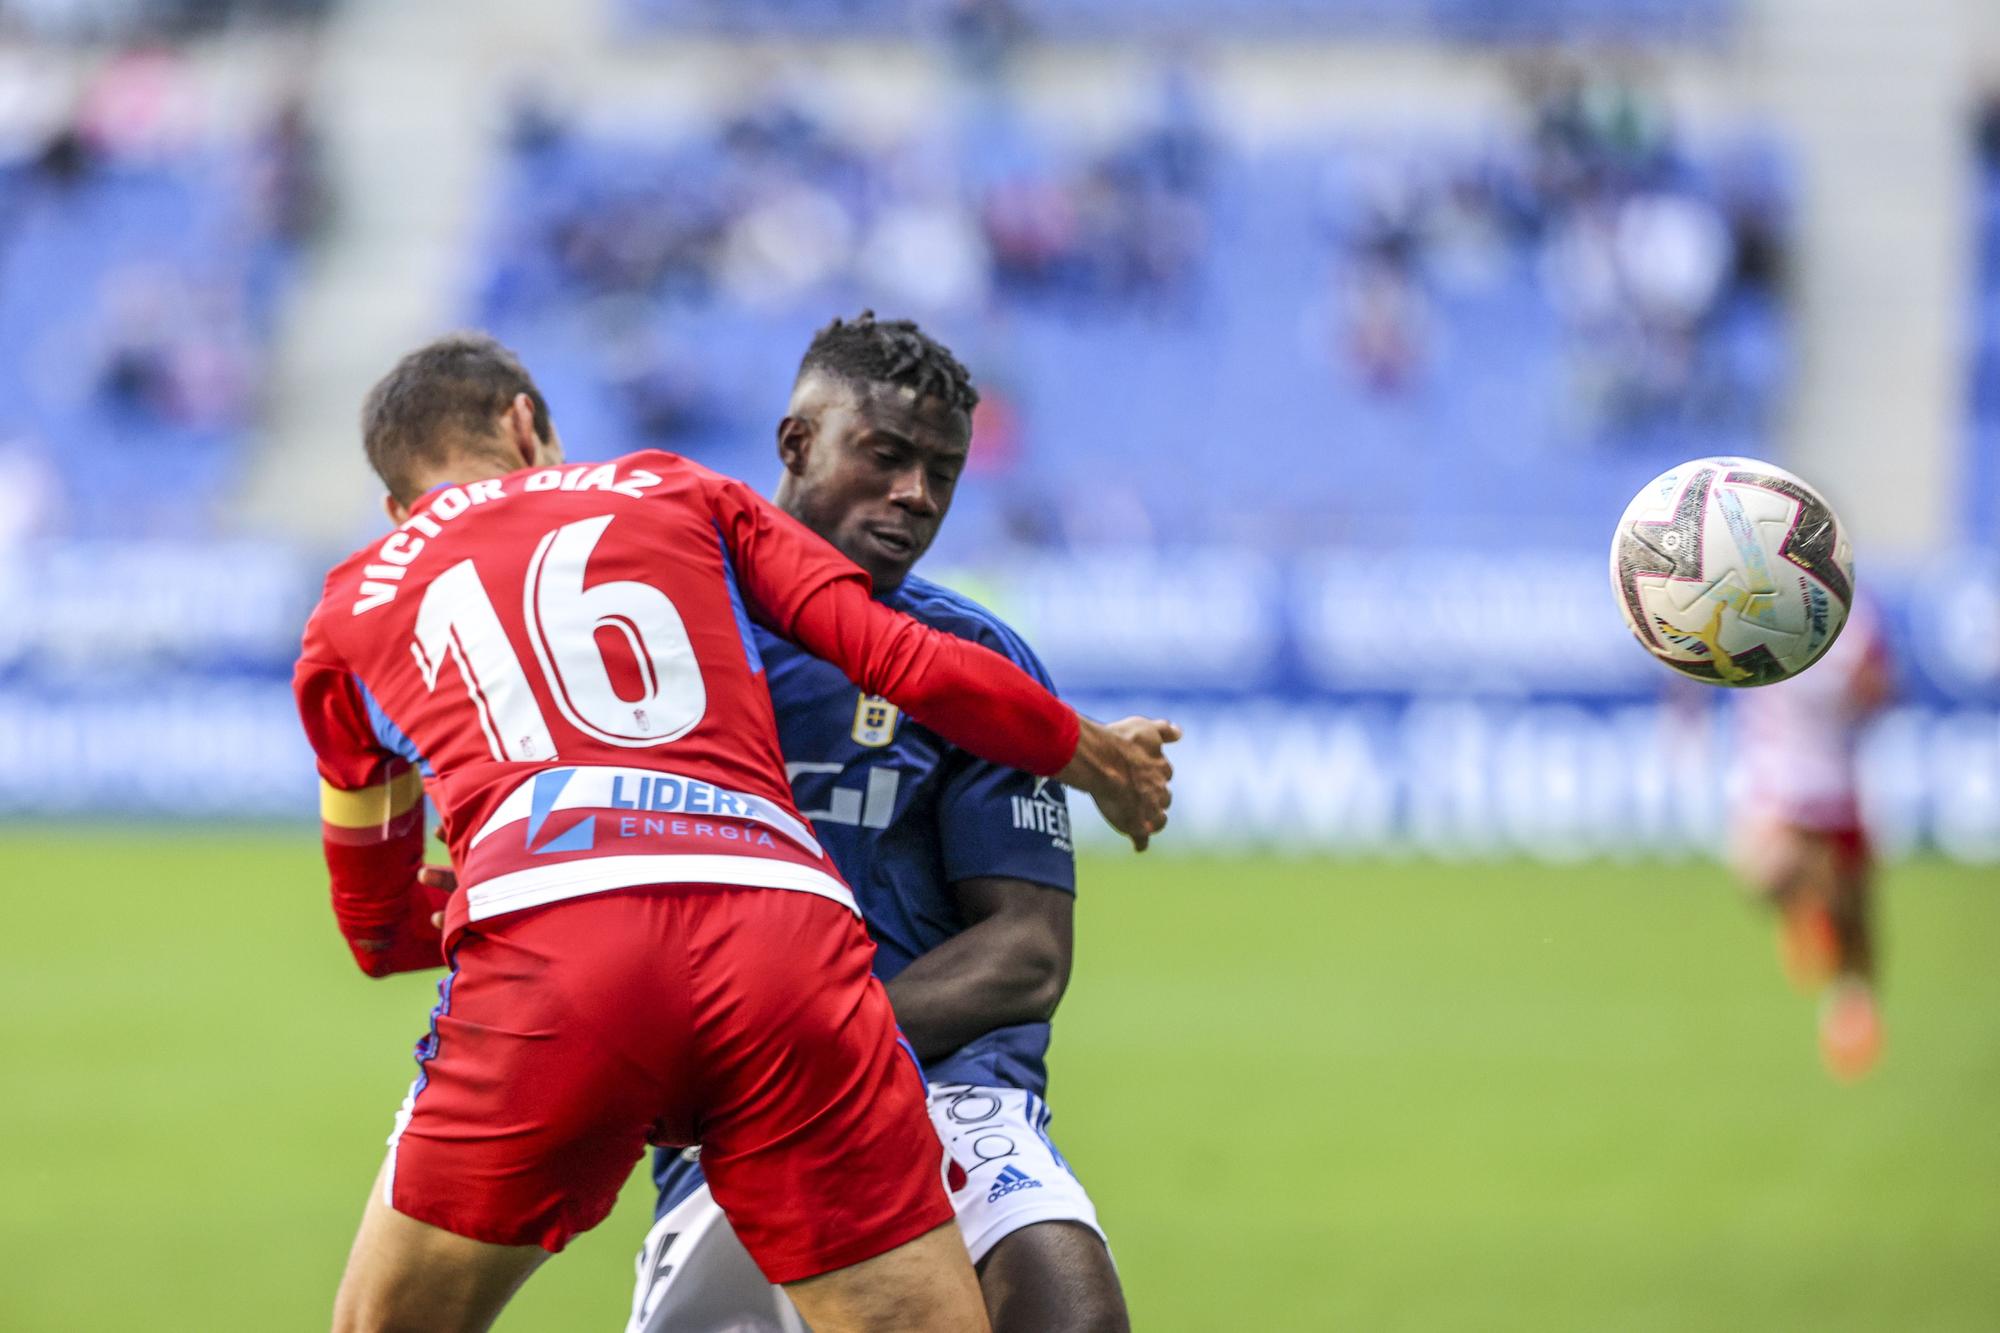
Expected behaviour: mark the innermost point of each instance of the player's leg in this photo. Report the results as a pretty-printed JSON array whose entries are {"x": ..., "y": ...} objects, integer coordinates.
[
  {"x": 924, "y": 1284},
  {"x": 1809, "y": 938},
  {"x": 1851, "y": 903},
  {"x": 1053, "y": 1277},
  {"x": 406, "y": 1276},
  {"x": 694, "y": 1275},
  {"x": 815, "y": 1137},
  {"x": 558, "y": 1047},
  {"x": 1043, "y": 1266},
  {"x": 1850, "y": 1024},
  {"x": 1790, "y": 869},
  {"x": 1026, "y": 1219}
]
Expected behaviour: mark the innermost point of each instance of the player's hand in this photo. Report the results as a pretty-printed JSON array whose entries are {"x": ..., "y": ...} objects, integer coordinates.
[
  {"x": 443, "y": 879},
  {"x": 1124, "y": 767}
]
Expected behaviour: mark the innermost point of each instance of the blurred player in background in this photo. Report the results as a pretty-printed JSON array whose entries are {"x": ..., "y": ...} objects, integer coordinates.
[
  {"x": 646, "y": 940},
  {"x": 1799, "y": 839},
  {"x": 963, "y": 869}
]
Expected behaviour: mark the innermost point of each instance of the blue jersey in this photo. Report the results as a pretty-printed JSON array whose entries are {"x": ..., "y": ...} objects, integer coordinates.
[{"x": 905, "y": 815}]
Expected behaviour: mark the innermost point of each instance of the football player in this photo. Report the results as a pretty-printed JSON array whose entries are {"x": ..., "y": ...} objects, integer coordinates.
[
  {"x": 646, "y": 941},
  {"x": 1799, "y": 839},
  {"x": 962, "y": 867}
]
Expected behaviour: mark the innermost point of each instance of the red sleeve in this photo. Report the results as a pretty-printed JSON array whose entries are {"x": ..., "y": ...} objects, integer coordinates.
[
  {"x": 371, "y": 826},
  {"x": 780, "y": 562},
  {"x": 798, "y": 584}
]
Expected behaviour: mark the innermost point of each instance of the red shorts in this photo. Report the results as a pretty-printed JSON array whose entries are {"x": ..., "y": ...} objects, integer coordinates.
[
  {"x": 568, "y": 1037},
  {"x": 1851, "y": 846}
]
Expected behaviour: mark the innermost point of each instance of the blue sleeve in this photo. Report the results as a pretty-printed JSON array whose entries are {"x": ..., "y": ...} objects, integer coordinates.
[
  {"x": 1002, "y": 822},
  {"x": 675, "y": 1177}
]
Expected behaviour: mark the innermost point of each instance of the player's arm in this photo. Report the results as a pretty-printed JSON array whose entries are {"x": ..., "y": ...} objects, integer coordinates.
[
  {"x": 1009, "y": 965},
  {"x": 987, "y": 706},
  {"x": 372, "y": 829},
  {"x": 803, "y": 589}
]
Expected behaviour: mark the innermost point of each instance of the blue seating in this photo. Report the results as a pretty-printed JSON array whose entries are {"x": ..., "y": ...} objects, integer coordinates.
[
  {"x": 1460, "y": 20},
  {"x": 133, "y": 299},
  {"x": 1210, "y": 396}
]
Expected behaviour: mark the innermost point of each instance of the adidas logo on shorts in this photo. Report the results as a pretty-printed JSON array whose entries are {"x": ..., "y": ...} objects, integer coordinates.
[{"x": 1010, "y": 1179}]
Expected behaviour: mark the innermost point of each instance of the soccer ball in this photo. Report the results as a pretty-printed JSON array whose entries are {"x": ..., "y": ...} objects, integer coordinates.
[{"x": 1732, "y": 571}]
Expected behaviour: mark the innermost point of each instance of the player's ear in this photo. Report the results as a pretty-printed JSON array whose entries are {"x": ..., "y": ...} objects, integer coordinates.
[
  {"x": 398, "y": 512},
  {"x": 795, "y": 437},
  {"x": 520, "y": 430}
]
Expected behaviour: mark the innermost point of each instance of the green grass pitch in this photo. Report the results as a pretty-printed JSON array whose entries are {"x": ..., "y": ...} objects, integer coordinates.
[{"x": 1306, "y": 1094}]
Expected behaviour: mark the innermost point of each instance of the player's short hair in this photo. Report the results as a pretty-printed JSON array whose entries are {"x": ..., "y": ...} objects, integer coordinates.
[
  {"x": 438, "y": 398},
  {"x": 867, "y": 351}
]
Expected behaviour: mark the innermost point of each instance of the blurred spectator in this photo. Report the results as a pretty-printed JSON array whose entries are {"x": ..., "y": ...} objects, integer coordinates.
[
  {"x": 1988, "y": 132},
  {"x": 29, "y": 491},
  {"x": 1381, "y": 322},
  {"x": 141, "y": 104},
  {"x": 176, "y": 352},
  {"x": 535, "y": 129},
  {"x": 1637, "y": 279},
  {"x": 996, "y": 432},
  {"x": 1031, "y": 228},
  {"x": 983, "y": 33},
  {"x": 1386, "y": 327},
  {"x": 65, "y": 160},
  {"x": 924, "y": 254},
  {"x": 1673, "y": 256},
  {"x": 796, "y": 237},
  {"x": 294, "y": 198},
  {"x": 1130, "y": 229},
  {"x": 34, "y": 100}
]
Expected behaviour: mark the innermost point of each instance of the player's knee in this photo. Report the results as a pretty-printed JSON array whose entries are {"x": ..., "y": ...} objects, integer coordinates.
[
  {"x": 1053, "y": 1277},
  {"x": 1076, "y": 1312}
]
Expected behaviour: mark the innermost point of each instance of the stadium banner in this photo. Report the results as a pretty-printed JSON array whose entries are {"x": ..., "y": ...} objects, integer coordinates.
[{"x": 1353, "y": 703}]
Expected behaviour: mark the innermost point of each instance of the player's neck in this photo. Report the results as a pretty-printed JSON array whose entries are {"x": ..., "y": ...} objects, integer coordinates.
[
  {"x": 462, "y": 470},
  {"x": 787, "y": 499}
]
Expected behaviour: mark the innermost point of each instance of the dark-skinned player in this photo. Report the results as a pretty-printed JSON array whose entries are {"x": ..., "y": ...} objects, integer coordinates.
[{"x": 963, "y": 868}]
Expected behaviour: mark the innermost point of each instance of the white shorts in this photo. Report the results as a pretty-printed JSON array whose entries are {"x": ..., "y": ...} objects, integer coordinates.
[{"x": 694, "y": 1276}]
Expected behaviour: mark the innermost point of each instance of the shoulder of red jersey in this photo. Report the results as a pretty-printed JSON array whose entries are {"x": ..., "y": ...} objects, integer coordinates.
[{"x": 371, "y": 576}]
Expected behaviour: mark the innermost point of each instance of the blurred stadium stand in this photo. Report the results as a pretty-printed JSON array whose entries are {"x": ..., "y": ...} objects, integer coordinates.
[
  {"x": 145, "y": 250},
  {"x": 134, "y": 21},
  {"x": 1378, "y": 336},
  {"x": 1307, "y": 429},
  {"x": 983, "y": 22}
]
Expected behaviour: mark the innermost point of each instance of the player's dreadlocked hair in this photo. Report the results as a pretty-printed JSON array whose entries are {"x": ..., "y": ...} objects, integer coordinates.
[{"x": 867, "y": 350}]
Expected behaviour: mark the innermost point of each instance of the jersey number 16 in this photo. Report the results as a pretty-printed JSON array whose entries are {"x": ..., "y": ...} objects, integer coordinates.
[{"x": 457, "y": 621}]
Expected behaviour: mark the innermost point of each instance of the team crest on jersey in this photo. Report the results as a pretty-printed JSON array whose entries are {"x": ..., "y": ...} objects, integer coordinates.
[{"x": 875, "y": 721}]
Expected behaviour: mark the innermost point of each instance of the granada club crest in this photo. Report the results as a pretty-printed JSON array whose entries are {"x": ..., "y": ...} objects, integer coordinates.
[{"x": 875, "y": 721}]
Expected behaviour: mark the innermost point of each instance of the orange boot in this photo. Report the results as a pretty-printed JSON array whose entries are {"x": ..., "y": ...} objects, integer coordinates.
[{"x": 1850, "y": 1029}]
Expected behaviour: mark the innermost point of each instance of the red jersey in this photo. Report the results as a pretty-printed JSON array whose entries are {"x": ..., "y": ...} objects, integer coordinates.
[
  {"x": 565, "y": 655},
  {"x": 1800, "y": 739}
]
